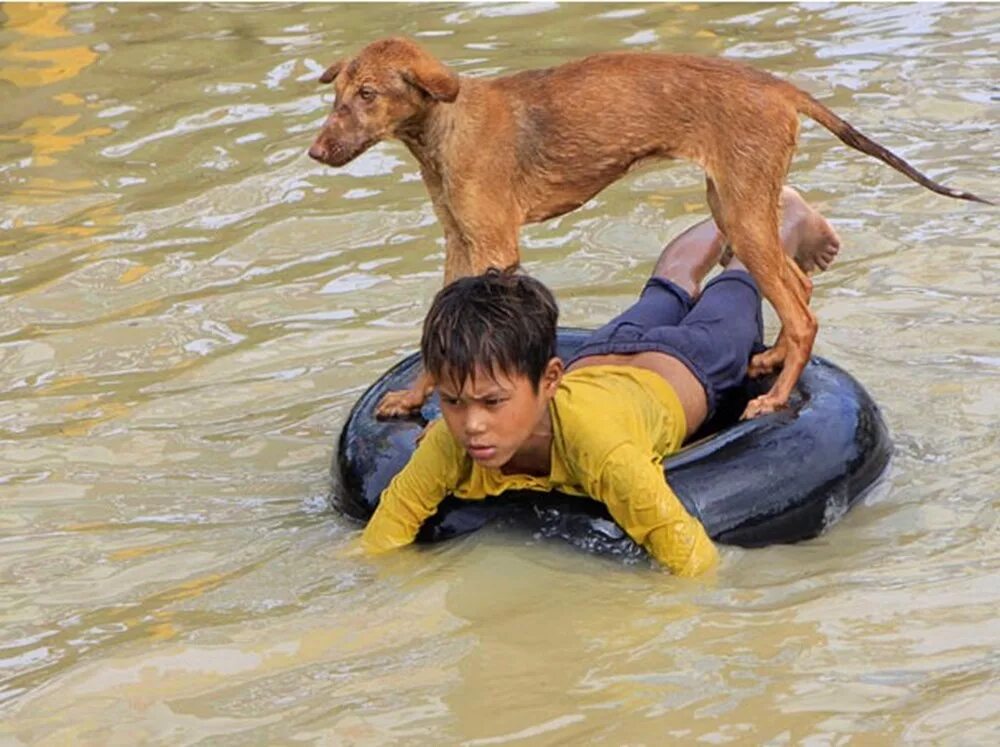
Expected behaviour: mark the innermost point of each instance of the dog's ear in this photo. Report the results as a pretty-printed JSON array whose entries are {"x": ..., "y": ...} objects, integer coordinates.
[
  {"x": 331, "y": 72},
  {"x": 433, "y": 78}
]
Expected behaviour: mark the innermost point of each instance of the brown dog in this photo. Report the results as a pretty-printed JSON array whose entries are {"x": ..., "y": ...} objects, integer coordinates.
[{"x": 498, "y": 153}]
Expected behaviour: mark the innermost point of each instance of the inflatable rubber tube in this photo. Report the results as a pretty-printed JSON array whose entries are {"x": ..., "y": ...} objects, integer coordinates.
[{"x": 779, "y": 478}]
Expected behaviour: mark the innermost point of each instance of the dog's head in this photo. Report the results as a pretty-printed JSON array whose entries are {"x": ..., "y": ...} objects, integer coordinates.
[{"x": 389, "y": 84}]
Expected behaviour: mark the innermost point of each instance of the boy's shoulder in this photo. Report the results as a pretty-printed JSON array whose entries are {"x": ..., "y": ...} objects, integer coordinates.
[
  {"x": 596, "y": 407},
  {"x": 436, "y": 436},
  {"x": 438, "y": 444}
]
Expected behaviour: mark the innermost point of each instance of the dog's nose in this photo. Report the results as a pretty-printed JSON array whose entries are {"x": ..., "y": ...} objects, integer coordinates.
[{"x": 318, "y": 152}]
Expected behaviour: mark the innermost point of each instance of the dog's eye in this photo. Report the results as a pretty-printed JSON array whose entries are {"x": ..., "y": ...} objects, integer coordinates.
[{"x": 367, "y": 93}]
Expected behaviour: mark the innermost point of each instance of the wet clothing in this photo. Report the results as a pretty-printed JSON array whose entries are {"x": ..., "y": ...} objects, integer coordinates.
[
  {"x": 714, "y": 337},
  {"x": 611, "y": 428},
  {"x": 612, "y": 425}
]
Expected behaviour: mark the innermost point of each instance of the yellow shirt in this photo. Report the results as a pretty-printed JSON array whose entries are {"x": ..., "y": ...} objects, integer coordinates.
[{"x": 612, "y": 426}]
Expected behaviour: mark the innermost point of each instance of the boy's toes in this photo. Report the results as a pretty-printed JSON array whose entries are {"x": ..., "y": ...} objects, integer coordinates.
[{"x": 818, "y": 246}]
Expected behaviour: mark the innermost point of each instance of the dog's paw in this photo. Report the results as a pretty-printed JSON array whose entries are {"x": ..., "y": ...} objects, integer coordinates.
[
  {"x": 762, "y": 405},
  {"x": 399, "y": 404}
]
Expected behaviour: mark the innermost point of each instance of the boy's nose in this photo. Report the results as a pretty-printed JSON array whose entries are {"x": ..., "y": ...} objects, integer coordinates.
[{"x": 474, "y": 426}]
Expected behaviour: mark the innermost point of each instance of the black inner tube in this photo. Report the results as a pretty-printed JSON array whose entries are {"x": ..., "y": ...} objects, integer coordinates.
[{"x": 779, "y": 478}]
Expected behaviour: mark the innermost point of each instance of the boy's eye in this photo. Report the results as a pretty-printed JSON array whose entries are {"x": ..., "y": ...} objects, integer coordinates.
[
  {"x": 452, "y": 401},
  {"x": 493, "y": 401}
]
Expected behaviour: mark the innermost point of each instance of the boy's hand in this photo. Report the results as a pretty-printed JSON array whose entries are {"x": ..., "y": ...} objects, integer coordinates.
[{"x": 352, "y": 549}]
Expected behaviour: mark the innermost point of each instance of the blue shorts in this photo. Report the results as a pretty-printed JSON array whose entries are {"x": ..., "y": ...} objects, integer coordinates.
[{"x": 714, "y": 337}]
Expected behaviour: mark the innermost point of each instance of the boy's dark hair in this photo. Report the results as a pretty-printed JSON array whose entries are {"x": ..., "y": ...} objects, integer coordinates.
[{"x": 500, "y": 321}]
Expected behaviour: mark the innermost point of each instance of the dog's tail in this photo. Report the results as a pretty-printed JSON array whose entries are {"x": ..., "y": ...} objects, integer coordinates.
[{"x": 806, "y": 104}]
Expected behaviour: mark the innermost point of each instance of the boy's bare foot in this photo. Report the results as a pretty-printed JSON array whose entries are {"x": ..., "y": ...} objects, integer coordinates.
[{"x": 805, "y": 234}]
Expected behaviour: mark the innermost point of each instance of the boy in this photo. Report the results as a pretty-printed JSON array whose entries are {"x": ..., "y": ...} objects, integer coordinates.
[{"x": 515, "y": 418}]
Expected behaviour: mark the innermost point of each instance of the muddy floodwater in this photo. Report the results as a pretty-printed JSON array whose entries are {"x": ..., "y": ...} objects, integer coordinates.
[{"x": 189, "y": 307}]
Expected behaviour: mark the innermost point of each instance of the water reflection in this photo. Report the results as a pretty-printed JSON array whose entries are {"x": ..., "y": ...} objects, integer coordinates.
[{"x": 189, "y": 306}]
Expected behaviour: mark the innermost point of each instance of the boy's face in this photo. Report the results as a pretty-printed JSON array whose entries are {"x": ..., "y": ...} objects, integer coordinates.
[{"x": 494, "y": 417}]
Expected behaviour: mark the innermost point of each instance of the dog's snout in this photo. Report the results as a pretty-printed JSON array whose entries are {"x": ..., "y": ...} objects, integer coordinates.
[{"x": 318, "y": 152}]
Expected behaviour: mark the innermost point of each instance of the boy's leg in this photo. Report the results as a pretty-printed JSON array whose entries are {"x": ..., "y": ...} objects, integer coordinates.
[
  {"x": 689, "y": 257},
  {"x": 717, "y": 337},
  {"x": 686, "y": 353},
  {"x": 723, "y": 329},
  {"x": 670, "y": 292}
]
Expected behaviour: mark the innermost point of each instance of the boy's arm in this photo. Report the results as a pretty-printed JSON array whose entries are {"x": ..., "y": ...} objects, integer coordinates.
[
  {"x": 414, "y": 494},
  {"x": 639, "y": 499}
]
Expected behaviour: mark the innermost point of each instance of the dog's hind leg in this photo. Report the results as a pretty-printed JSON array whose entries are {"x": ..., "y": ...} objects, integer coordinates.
[
  {"x": 798, "y": 326},
  {"x": 749, "y": 207},
  {"x": 772, "y": 358}
]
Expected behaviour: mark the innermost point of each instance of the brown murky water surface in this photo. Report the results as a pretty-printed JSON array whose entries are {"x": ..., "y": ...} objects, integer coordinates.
[{"x": 189, "y": 306}]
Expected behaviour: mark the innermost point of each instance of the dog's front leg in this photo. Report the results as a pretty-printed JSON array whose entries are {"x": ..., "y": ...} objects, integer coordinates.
[
  {"x": 458, "y": 261},
  {"x": 403, "y": 402},
  {"x": 457, "y": 264},
  {"x": 471, "y": 248},
  {"x": 488, "y": 231}
]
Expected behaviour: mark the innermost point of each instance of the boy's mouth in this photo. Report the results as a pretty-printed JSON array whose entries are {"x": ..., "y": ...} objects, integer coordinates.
[{"x": 481, "y": 453}]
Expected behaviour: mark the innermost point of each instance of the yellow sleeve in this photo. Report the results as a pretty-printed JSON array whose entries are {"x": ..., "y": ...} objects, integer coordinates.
[
  {"x": 414, "y": 494},
  {"x": 632, "y": 485}
]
